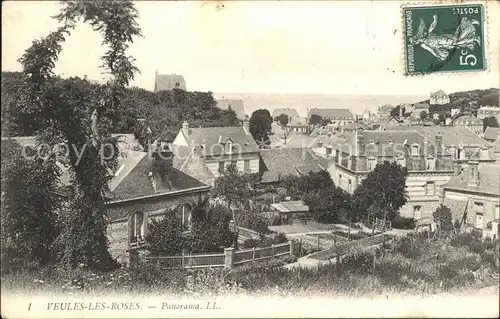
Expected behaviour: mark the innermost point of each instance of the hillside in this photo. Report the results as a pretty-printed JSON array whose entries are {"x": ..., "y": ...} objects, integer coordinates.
[
  {"x": 468, "y": 101},
  {"x": 164, "y": 111}
]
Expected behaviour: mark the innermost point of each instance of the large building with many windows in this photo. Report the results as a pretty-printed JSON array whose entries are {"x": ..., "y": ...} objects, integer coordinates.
[{"x": 429, "y": 165}]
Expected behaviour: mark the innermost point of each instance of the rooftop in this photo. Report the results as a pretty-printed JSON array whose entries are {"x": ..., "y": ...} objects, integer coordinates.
[
  {"x": 489, "y": 180},
  {"x": 291, "y": 207},
  {"x": 236, "y": 105},
  {"x": 277, "y": 163},
  {"x": 331, "y": 113},
  {"x": 491, "y": 133},
  {"x": 209, "y": 138},
  {"x": 288, "y": 111},
  {"x": 452, "y": 135},
  {"x": 166, "y": 82}
]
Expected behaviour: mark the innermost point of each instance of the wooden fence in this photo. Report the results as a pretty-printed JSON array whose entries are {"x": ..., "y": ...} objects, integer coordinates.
[{"x": 228, "y": 259}]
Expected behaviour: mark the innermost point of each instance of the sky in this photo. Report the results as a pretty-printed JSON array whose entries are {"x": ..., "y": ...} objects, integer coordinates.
[{"x": 351, "y": 47}]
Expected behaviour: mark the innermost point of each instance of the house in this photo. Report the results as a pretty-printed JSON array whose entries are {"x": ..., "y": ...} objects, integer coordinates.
[
  {"x": 236, "y": 105},
  {"x": 350, "y": 128},
  {"x": 299, "y": 125},
  {"x": 429, "y": 165},
  {"x": 143, "y": 186},
  {"x": 287, "y": 111},
  {"x": 477, "y": 192},
  {"x": 327, "y": 144},
  {"x": 384, "y": 111},
  {"x": 462, "y": 143},
  {"x": 472, "y": 123},
  {"x": 221, "y": 146},
  {"x": 292, "y": 212},
  {"x": 491, "y": 134},
  {"x": 488, "y": 111},
  {"x": 418, "y": 109},
  {"x": 167, "y": 82},
  {"x": 278, "y": 163},
  {"x": 454, "y": 112},
  {"x": 336, "y": 116},
  {"x": 439, "y": 98}
]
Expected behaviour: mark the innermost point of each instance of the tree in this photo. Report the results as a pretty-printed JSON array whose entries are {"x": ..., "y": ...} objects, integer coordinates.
[
  {"x": 72, "y": 112},
  {"x": 164, "y": 236},
  {"x": 210, "y": 228},
  {"x": 315, "y": 120},
  {"x": 260, "y": 127},
  {"x": 327, "y": 202},
  {"x": 384, "y": 188},
  {"x": 30, "y": 201},
  {"x": 490, "y": 122},
  {"x": 283, "y": 119},
  {"x": 235, "y": 188},
  {"x": 423, "y": 115},
  {"x": 443, "y": 218}
]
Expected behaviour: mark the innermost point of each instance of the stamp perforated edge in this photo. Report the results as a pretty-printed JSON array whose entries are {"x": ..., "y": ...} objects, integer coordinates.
[{"x": 486, "y": 52}]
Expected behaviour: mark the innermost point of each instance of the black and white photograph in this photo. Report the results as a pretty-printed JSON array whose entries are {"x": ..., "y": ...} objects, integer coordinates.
[{"x": 250, "y": 159}]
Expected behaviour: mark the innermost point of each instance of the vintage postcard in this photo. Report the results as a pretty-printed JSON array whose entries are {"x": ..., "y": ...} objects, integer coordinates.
[{"x": 229, "y": 159}]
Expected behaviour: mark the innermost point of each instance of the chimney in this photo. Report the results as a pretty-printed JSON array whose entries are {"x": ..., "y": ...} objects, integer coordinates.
[
  {"x": 360, "y": 141},
  {"x": 162, "y": 158},
  {"x": 185, "y": 128},
  {"x": 473, "y": 174},
  {"x": 400, "y": 111},
  {"x": 439, "y": 144},
  {"x": 246, "y": 126}
]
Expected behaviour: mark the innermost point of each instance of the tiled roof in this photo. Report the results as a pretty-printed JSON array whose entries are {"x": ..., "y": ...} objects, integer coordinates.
[
  {"x": 289, "y": 112},
  {"x": 291, "y": 207},
  {"x": 470, "y": 119},
  {"x": 280, "y": 162},
  {"x": 331, "y": 113},
  {"x": 295, "y": 140},
  {"x": 382, "y": 139},
  {"x": 166, "y": 82},
  {"x": 489, "y": 180},
  {"x": 491, "y": 133},
  {"x": 209, "y": 138},
  {"x": 137, "y": 182},
  {"x": 236, "y": 105},
  {"x": 452, "y": 135}
]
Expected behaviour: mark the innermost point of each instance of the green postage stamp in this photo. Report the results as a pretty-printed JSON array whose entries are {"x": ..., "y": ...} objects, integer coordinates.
[{"x": 444, "y": 38}]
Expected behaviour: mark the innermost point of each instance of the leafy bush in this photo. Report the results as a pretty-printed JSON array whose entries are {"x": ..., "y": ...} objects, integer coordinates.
[
  {"x": 399, "y": 222},
  {"x": 254, "y": 222}
]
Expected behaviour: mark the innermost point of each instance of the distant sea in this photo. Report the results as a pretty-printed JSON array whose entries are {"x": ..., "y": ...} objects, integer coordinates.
[{"x": 302, "y": 102}]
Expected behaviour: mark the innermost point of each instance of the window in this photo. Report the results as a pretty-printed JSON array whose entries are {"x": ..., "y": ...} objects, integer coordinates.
[
  {"x": 349, "y": 187},
  {"x": 417, "y": 214},
  {"x": 430, "y": 188},
  {"x": 415, "y": 150},
  {"x": 372, "y": 162},
  {"x": 229, "y": 147},
  {"x": 478, "y": 207},
  {"x": 184, "y": 214},
  {"x": 221, "y": 167},
  {"x": 401, "y": 160},
  {"x": 136, "y": 227},
  {"x": 484, "y": 153},
  {"x": 479, "y": 220},
  {"x": 430, "y": 164},
  {"x": 246, "y": 165}
]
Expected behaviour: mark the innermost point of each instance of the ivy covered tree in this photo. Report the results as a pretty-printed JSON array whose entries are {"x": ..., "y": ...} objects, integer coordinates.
[
  {"x": 71, "y": 112},
  {"x": 30, "y": 201},
  {"x": 382, "y": 193}
]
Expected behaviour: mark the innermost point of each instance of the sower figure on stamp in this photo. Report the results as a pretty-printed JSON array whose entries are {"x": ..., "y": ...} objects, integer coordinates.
[{"x": 440, "y": 46}]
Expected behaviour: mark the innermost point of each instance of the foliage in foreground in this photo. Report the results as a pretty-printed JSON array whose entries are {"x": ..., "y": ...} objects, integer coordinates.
[{"x": 413, "y": 264}]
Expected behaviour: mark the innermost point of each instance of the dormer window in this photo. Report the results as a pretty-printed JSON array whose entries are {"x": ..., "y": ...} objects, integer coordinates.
[
  {"x": 430, "y": 163},
  {"x": 390, "y": 142},
  {"x": 372, "y": 162},
  {"x": 229, "y": 147},
  {"x": 415, "y": 150},
  {"x": 372, "y": 142}
]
